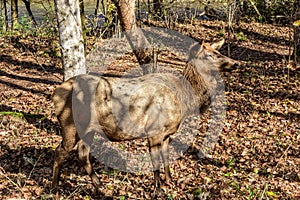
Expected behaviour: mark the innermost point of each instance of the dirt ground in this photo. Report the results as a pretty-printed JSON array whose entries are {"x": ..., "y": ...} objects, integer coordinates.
[{"x": 257, "y": 155}]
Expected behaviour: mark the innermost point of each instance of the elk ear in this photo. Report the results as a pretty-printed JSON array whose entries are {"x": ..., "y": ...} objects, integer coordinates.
[
  {"x": 194, "y": 50},
  {"x": 218, "y": 45}
]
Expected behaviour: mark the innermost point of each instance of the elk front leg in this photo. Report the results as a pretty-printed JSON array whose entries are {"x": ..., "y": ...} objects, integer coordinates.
[
  {"x": 165, "y": 156},
  {"x": 84, "y": 158},
  {"x": 154, "y": 148}
]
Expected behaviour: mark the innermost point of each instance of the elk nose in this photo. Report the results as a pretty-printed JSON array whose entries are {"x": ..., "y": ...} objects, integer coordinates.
[
  {"x": 236, "y": 65},
  {"x": 230, "y": 66}
]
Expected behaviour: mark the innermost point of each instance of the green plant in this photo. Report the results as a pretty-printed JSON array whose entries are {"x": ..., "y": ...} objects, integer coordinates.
[
  {"x": 241, "y": 36},
  {"x": 122, "y": 197},
  {"x": 197, "y": 192},
  {"x": 122, "y": 146},
  {"x": 24, "y": 24},
  {"x": 228, "y": 174},
  {"x": 251, "y": 192},
  {"x": 230, "y": 162},
  {"x": 110, "y": 187},
  {"x": 235, "y": 185},
  {"x": 222, "y": 33},
  {"x": 87, "y": 197},
  {"x": 268, "y": 11},
  {"x": 272, "y": 194}
]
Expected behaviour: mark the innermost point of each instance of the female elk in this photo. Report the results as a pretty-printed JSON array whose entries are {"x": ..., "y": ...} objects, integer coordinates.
[{"x": 151, "y": 106}]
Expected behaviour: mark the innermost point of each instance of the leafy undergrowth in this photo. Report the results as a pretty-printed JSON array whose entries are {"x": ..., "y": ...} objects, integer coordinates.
[{"x": 257, "y": 155}]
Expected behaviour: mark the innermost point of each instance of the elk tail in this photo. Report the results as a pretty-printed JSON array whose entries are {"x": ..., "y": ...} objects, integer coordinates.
[{"x": 61, "y": 95}]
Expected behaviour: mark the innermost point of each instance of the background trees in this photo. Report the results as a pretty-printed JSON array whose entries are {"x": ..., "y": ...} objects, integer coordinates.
[
  {"x": 138, "y": 42},
  {"x": 28, "y": 8},
  {"x": 14, "y": 14},
  {"x": 104, "y": 21},
  {"x": 4, "y": 16},
  {"x": 128, "y": 12}
]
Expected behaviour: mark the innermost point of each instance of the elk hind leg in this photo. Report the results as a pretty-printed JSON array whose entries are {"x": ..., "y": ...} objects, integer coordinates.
[
  {"x": 84, "y": 158},
  {"x": 61, "y": 153},
  {"x": 154, "y": 148},
  {"x": 165, "y": 156}
]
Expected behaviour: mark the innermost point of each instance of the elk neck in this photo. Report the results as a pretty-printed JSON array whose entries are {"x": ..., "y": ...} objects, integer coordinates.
[{"x": 197, "y": 83}]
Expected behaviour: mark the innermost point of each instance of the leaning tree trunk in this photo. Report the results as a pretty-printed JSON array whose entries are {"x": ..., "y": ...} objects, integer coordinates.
[
  {"x": 14, "y": 14},
  {"x": 137, "y": 40},
  {"x": 28, "y": 8},
  {"x": 4, "y": 15},
  {"x": 70, "y": 37},
  {"x": 297, "y": 32}
]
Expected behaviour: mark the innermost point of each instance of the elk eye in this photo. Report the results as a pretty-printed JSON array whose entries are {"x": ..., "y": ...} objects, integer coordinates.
[{"x": 209, "y": 56}]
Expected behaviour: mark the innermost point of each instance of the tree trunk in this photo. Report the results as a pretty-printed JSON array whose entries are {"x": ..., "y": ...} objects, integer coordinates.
[
  {"x": 28, "y": 8},
  {"x": 297, "y": 32},
  {"x": 14, "y": 14},
  {"x": 149, "y": 6},
  {"x": 96, "y": 8},
  {"x": 104, "y": 9},
  {"x": 136, "y": 38},
  {"x": 157, "y": 8},
  {"x": 4, "y": 15},
  {"x": 83, "y": 25},
  {"x": 70, "y": 37}
]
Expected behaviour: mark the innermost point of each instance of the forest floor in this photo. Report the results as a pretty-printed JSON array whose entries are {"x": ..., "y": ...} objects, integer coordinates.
[{"x": 257, "y": 155}]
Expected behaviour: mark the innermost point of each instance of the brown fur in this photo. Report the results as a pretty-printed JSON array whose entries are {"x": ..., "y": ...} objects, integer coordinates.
[{"x": 151, "y": 106}]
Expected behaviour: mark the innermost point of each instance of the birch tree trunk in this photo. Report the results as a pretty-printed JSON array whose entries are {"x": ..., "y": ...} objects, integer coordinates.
[
  {"x": 70, "y": 37},
  {"x": 136, "y": 38},
  {"x": 297, "y": 32}
]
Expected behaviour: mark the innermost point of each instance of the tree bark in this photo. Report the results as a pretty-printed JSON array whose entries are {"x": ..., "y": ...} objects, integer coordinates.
[
  {"x": 297, "y": 32},
  {"x": 70, "y": 37},
  {"x": 157, "y": 8},
  {"x": 104, "y": 8},
  {"x": 14, "y": 14},
  {"x": 136, "y": 38},
  {"x": 96, "y": 8},
  {"x": 4, "y": 15},
  {"x": 83, "y": 25}
]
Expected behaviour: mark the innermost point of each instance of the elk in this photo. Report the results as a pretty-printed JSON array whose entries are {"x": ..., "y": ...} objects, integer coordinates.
[{"x": 151, "y": 106}]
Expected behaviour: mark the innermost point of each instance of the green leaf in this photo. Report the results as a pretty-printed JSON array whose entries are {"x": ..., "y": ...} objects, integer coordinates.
[
  {"x": 122, "y": 197},
  {"x": 197, "y": 192},
  {"x": 87, "y": 197},
  {"x": 110, "y": 187},
  {"x": 296, "y": 23},
  {"x": 271, "y": 194},
  {"x": 227, "y": 174}
]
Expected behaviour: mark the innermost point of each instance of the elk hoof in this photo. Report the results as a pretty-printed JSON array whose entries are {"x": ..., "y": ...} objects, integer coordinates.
[{"x": 95, "y": 181}]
